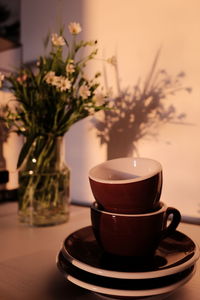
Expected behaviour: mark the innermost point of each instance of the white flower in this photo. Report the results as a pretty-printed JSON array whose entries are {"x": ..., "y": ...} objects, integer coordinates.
[
  {"x": 63, "y": 83},
  {"x": 70, "y": 68},
  {"x": 74, "y": 28},
  {"x": 49, "y": 77},
  {"x": 2, "y": 76},
  {"x": 55, "y": 80},
  {"x": 84, "y": 91},
  {"x": 57, "y": 40}
]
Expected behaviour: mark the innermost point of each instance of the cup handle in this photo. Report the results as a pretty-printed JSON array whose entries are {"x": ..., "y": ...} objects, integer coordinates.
[{"x": 176, "y": 218}]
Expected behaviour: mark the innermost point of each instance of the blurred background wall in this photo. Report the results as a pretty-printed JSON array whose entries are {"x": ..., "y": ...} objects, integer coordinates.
[
  {"x": 10, "y": 58},
  {"x": 134, "y": 31}
]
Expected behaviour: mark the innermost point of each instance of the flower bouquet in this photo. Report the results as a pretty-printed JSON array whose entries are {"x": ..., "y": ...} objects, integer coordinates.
[{"x": 49, "y": 99}]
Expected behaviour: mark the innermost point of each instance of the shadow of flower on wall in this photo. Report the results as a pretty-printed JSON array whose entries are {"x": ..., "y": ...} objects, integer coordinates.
[{"x": 139, "y": 112}]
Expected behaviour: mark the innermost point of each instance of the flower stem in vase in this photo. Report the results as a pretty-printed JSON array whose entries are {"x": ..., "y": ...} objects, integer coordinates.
[{"x": 44, "y": 184}]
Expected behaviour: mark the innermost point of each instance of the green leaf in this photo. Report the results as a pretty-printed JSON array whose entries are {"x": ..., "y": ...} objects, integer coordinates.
[
  {"x": 25, "y": 150},
  {"x": 46, "y": 40}
]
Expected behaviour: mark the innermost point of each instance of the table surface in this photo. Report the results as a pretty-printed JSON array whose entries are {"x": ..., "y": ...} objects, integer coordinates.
[{"x": 28, "y": 255}]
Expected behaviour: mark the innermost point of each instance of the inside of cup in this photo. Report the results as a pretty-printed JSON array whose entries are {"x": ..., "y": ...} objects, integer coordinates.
[{"x": 125, "y": 169}]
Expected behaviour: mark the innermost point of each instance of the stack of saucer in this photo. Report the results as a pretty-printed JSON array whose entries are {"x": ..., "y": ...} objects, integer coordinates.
[
  {"x": 83, "y": 262},
  {"x": 132, "y": 248}
]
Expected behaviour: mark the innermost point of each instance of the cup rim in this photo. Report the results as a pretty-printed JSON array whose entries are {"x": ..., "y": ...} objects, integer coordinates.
[
  {"x": 102, "y": 211},
  {"x": 122, "y": 181}
]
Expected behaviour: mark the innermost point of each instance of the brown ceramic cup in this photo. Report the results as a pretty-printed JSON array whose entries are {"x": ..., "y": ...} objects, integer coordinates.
[
  {"x": 127, "y": 185},
  {"x": 133, "y": 234}
]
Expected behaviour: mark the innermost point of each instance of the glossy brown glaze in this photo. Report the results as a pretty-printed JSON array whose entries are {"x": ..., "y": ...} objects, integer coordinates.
[
  {"x": 132, "y": 235},
  {"x": 133, "y": 197},
  {"x": 175, "y": 251}
]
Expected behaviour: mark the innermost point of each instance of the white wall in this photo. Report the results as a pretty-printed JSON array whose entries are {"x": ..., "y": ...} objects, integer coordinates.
[
  {"x": 134, "y": 30},
  {"x": 40, "y": 17}
]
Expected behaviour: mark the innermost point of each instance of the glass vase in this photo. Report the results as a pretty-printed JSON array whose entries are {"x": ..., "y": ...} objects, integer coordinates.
[{"x": 44, "y": 184}]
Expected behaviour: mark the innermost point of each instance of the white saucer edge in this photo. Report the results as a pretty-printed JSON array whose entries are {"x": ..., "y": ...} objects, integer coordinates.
[
  {"x": 131, "y": 275},
  {"x": 129, "y": 293}
]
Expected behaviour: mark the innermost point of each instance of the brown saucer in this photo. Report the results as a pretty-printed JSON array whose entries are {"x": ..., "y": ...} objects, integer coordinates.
[
  {"x": 123, "y": 288},
  {"x": 174, "y": 254}
]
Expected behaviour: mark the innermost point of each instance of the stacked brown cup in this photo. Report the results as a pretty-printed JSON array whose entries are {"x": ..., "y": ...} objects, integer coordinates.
[{"x": 128, "y": 218}]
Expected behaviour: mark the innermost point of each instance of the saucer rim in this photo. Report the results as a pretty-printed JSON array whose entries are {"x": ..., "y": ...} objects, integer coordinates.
[
  {"x": 130, "y": 275},
  {"x": 124, "y": 293}
]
